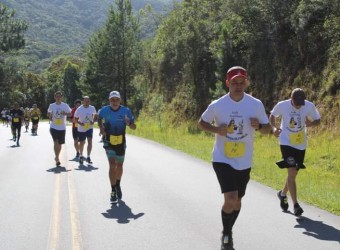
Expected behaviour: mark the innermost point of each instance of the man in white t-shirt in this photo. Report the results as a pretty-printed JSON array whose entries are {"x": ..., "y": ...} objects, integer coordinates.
[
  {"x": 85, "y": 116},
  {"x": 296, "y": 114},
  {"x": 57, "y": 113},
  {"x": 233, "y": 119}
]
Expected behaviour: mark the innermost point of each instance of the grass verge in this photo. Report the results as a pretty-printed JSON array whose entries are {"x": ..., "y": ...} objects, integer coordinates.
[{"x": 318, "y": 184}]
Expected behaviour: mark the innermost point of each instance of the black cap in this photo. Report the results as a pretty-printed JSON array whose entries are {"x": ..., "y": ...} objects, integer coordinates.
[{"x": 298, "y": 97}]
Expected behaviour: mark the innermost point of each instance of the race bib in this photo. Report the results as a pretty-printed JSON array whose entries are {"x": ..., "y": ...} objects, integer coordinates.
[
  {"x": 234, "y": 149},
  {"x": 86, "y": 126},
  {"x": 76, "y": 125},
  {"x": 35, "y": 118},
  {"x": 58, "y": 121},
  {"x": 15, "y": 119},
  {"x": 297, "y": 138},
  {"x": 116, "y": 139}
]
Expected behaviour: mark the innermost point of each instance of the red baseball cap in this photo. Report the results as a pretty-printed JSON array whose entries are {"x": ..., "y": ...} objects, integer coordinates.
[{"x": 236, "y": 71}]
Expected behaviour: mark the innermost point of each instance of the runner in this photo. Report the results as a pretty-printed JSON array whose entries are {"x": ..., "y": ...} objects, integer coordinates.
[
  {"x": 85, "y": 116},
  {"x": 17, "y": 119},
  {"x": 57, "y": 113},
  {"x": 27, "y": 118},
  {"x": 296, "y": 115},
  {"x": 35, "y": 116},
  {"x": 4, "y": 117},
  {"x": 116, "y": 117},
  {"x": 77, "y": 103},
  {"x": 233, "y": 119}
]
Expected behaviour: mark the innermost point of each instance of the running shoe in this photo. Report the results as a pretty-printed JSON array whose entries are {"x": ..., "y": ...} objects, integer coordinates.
[
  {"x": 119, "y": 192},
  {"x": 297, "y": 209},
  {"x": 114, "y": 198},
  {"x": 88, "y": 159},
  {"x": 283, "y": 201},
  {"x": 227, "y": 242},
  {"x": 81, "y": 160}
]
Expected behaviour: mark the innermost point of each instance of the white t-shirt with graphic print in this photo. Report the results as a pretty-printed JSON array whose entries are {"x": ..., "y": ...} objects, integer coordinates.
[
  {"x": 236, "y": 148},
  {"x": 58, "y": 119},
  {"x": 293, "y": 122},
  {"x": 86, "y": 116}
]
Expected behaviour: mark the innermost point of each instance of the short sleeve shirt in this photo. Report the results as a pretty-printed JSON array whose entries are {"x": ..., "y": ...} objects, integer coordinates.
[
  {"x": 114, "y": 120},
  {"x": 293, "y": 122},
  {"x": 85, "y": 115},
  {"x": 58, "y": 121},
  {"x": 236, "y": 148}
]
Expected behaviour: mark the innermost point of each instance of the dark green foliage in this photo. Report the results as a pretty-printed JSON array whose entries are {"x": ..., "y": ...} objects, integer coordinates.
[
  {"x": 113, "y": 54},
  {"x": 11, "y": 30},
  {"x": 64, "y": 27}
]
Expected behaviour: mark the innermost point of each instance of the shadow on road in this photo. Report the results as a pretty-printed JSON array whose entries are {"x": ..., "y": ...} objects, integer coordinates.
[
  {"x": 86, "y": 168},
  {"x": 318, "y": 229},
  {"x": 121, "y": 212},
  {"x": 58, "y": 170}
]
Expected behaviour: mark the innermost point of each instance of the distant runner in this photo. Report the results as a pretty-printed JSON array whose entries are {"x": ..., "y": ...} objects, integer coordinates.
[
  {"x": 85, "y": 116},
  {"x": 17, "y": 120},
  {"x": 57, "y": 113},
  {"x": 35, "y": 116},
  {"x": 77, "y": 103}
]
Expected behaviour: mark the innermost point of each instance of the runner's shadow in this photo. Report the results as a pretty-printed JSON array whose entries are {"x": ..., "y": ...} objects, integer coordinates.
[
  {"x": 75, "y": 159},
  {"x": 86, "y": 168},
  {"x": 318, "y": 229},
  {"x": 58, "y": 170},
  {"x": 121, "y": 212}
]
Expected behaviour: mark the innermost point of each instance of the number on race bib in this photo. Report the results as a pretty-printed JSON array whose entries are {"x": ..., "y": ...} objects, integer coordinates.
[
  {"x": 234, "y": 149},
  {"x": 297, "y": 138},
  {"x": 116, "y": 139}
]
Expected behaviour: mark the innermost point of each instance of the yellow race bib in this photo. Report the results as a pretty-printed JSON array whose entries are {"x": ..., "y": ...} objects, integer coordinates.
[
  {"x": 116, "y": 139},
  {"x": 297, "y": 138},
  {"x": 15, "y": 119},
  {"x": 86, "y": 126},
  {"x": 234, "y": 149},
  {"x": 58, "y": 121},
  {"x": 35, "y": 118}
]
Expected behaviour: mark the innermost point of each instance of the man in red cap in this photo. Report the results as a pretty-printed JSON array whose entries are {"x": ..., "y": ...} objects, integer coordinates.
[
  {"x": 296, "y": 114},
  {"x": 233, "y": 119}
]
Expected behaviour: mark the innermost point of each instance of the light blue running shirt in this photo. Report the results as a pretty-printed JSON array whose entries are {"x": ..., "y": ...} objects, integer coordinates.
[{"x": 114, "y": 120}]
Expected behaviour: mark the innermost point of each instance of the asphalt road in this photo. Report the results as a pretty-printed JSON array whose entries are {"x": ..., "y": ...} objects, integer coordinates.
[{"x": 170, "y": 201}]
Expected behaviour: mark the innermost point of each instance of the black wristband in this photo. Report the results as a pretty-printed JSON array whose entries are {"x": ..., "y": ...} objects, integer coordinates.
[{"x": 260, "y": 126}]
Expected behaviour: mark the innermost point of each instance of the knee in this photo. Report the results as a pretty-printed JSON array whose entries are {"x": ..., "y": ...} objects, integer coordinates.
[{"x": 231, "y": 202}]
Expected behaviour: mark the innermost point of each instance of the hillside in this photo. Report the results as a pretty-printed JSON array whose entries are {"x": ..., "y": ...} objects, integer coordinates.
[{"x": 64, "y": 26}]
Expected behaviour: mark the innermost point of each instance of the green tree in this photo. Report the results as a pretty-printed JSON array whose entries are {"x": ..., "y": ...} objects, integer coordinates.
[
  {"x": 113, "y": 53},
  {"x": 11, "y": 30},
  {"x": 71, "y": 82}
]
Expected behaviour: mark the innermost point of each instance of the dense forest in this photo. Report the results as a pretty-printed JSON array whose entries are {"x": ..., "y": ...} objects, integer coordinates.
[{"x": 174, "y": 60}]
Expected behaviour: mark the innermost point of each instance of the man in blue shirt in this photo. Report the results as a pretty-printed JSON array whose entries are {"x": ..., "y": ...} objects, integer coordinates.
[{"x": 112, "y": 121}]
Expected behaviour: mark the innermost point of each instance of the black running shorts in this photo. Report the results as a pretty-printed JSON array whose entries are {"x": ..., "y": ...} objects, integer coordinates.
[
  {"x": 58, "y": 135},
  {"x": 231, "y": 179},
  {"x": 292, "y": 157}
]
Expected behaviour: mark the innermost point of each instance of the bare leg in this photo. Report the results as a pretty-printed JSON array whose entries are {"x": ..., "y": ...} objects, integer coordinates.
[
  {"x": 57, "y": 149},
  {"x": 290, "y": 184},
  {"x": 89, "y": 146}
]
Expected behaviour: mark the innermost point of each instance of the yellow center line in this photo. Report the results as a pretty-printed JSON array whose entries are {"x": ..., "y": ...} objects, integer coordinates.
[
  {"x": 54, "y": 233},
  {"x": 53, "y": 239},
  {"x": 77, "y": 243}
]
